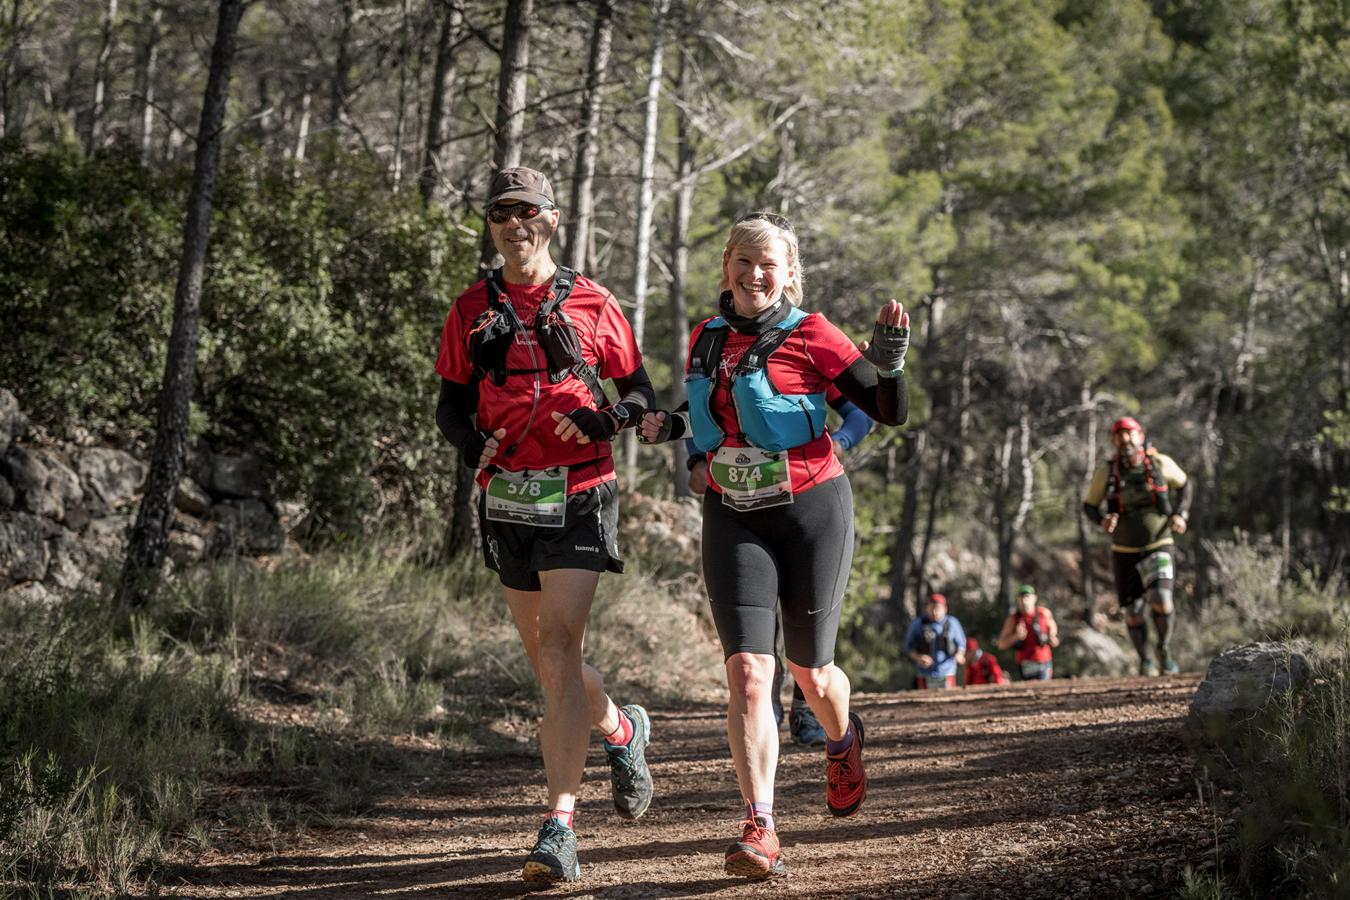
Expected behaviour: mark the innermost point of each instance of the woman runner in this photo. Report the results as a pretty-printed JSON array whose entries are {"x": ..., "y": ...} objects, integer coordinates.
[{"x": 778, "y": 518}]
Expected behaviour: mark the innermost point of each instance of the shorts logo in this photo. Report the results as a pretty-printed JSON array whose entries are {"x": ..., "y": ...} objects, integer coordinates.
[
  {"x": 492, "y": 549},
  {"x": 587, "y": 549}
]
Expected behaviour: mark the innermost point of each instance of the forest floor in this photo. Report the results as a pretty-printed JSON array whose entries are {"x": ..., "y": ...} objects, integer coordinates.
[{"x": 1077, "y": 788}]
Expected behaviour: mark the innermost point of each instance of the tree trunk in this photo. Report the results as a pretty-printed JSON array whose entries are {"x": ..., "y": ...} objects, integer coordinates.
[
  {"x": 1089, "y": 441},
  {"x": 342, "y": 66},
  {"x": 302, "y": 129},
  {"x": 902, "y": 549},
  {"x": 149, "y": 537},
  {"x": 510, "y": 126},
  {"x": 431, "y": 180},
  {"x": 94, "y": 139},
  {"x": 9, "y": 120},
  {"x": 1002, "y": 517},
  {"x": 401, "y": 113},
  {"x": 645, "y": 205},
  {"x": 583, "y": 199},
  {"x": 679, "y": 257},
  {"x": 147, "y": 69}
]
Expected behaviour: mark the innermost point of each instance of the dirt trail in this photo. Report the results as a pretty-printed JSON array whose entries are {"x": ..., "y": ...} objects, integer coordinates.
[{"x": 1077, "y": 788}]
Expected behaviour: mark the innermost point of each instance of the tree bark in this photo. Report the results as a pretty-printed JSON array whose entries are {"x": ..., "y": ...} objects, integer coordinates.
[
  {"x": 9, "y": 120},
  {"x": 94, "y": 139},
  {"x": 583, "y": 199},
  {"x": 1089, "y": 444},
  {"x": 149, "y": 537},
  {"x": 431, "y": 180},
  {"x": 646, "y": 171},
  {"x": 147, "y": 69},
  {"x": 679, "y": 256},
  {"x": 401, "y": 112},
  {"x": 510, "y": 124},
  {"x": 302, "y": 129},
  {"x": 342, "y": 66}
]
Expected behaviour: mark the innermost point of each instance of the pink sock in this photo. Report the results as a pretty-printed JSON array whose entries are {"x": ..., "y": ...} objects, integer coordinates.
[
  {"x": 756, "y": 810},
  {"x": 563, "y": 816},
  {"x": 623, "y": 734}
]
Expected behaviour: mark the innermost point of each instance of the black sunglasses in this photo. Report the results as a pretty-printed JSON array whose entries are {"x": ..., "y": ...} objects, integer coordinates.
[
  {"x": 772, "y": 218},
  {"x": 524, "y": 211}
]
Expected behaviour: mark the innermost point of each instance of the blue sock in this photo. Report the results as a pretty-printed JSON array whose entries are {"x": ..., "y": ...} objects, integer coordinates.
[
  {"x": 763, "y": 811},
  {"x": 836, "y": 748}
]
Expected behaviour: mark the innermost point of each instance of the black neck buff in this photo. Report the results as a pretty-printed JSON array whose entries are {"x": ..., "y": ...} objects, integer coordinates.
[{"x": 755, "y": 324}]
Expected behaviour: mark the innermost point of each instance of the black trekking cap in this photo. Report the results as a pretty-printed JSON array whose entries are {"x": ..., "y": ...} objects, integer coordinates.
[{"x": 523, "y": 184}]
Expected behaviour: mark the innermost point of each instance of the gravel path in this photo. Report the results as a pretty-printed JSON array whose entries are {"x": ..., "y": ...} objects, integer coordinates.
[{"x": 1072, "y": 789}]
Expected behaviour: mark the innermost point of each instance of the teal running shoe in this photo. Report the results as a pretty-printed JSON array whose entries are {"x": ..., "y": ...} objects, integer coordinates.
[{"x": 628, "y": 773}]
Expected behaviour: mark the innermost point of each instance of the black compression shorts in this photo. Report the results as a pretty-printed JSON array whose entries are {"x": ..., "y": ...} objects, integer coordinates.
[
  {"x": 799, "y": 554},
  {"x": 588, "y": 540},
  {"x": 1130, "y": 585}
]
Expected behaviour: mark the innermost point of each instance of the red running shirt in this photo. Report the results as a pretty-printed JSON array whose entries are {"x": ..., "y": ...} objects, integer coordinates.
[
  {"x": 808, "y": 362},
  {"x": 606, "y": 343}
]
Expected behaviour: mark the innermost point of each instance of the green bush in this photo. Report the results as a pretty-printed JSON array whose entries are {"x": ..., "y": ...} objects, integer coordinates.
[{"x": 321, "y": 313}]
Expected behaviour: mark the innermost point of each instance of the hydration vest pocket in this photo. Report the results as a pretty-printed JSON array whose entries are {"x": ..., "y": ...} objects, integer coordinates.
[
  {"x": 777, "y": 421},
  {"x": 490, "y": 336},
  {"x": 562, "y": 346},
  {"x": 707, "y": 434}
]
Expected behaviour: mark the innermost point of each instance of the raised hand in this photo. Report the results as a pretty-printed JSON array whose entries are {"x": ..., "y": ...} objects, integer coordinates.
[
  {"x": 890, "y": 338},
  {"x": 481, "y": 447}
]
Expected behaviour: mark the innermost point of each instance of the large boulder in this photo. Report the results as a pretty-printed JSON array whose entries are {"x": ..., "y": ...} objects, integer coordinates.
[
  {"x": 236, "y": 476},
  {"x": 7, "y": 496},
  {"x": 245, "y": 527},
  {"x": 106, "y": 537},
  {"x": 69, "y": 566},
  {"x": 111, "y": 478},
  {"x": 65, "y": 496},
  {"x": 13, "y": 422},
  {"x": 1083, "y": 651},
  {"x": 24, "y": 555},
  {"x": 1240, "y": 685},
  {"x": 27, "y": 474},
  {"x": 191, "y": 497}
]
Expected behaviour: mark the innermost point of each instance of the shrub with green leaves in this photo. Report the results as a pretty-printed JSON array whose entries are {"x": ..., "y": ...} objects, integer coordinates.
[{"x": 321, "y": 312}]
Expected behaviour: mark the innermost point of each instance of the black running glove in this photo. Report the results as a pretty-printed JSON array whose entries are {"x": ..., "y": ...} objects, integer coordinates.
[
  {"x": 887, "y": 349},
  {"x": 594, "y": 424},
  {"x": 472, "y": 450}
]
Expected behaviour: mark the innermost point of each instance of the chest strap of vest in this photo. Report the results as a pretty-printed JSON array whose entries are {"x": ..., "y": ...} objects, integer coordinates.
[{"x": 563, "y": 281}]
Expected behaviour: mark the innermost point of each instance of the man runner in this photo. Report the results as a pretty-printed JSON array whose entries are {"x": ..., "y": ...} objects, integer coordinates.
[
  {"x": 1147, "y": 498},
  {"x": 522, "y": 357}
]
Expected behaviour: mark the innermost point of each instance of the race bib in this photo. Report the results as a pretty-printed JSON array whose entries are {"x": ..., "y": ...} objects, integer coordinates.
[
  {"x": 1156, "y": 565},
  {"x": 533, "y": 497},
  {"x": 751, "y": 478}
]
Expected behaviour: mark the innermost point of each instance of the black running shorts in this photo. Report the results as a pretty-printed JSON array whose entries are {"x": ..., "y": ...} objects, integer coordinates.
[
  {"x": 588, "y": 539},
  {"x": 798, "y": 555},
  {"x": 1130, "y": 584}
]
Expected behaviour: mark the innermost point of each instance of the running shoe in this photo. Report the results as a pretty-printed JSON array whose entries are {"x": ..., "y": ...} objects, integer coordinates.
[
  {"x": 628, "y": 773},
  {"x": 1169, "y": 664},
  {"x": 1148, "y": 667},
  {"x": 554, "y": 857},
  {"x": 845, "y": 780},
  {"x": 756, "y": 854},
  {"x": 805, "y": 729}
]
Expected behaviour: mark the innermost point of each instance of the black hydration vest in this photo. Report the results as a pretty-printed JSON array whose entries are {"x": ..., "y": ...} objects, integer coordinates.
[{"x": 494, "y": 329}]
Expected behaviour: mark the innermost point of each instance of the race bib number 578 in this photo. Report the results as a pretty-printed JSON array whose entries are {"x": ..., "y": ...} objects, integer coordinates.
[{"x": 532, "y": 497}]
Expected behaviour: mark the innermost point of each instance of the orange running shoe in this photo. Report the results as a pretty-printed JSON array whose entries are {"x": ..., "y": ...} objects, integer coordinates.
[
  {"x": 845, "y": 780},
  {"x": 756, "y": 854}
]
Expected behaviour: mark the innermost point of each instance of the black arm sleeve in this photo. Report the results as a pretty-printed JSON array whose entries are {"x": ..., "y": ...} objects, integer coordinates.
[
  {"x": 636, "y": 393},
  {"x": 1183, "y": 507},
  {"x": 885, "y": 400},
  {"x": 455, "y": 409},
  {"x": 1094, "y": 513}
]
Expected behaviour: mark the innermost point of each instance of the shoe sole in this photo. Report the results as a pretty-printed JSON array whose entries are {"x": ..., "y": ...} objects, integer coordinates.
[
  {"x": 539, "y": 873},
  {"x": 857, "y": 736},
  {"x": 748, "y": 864},
  {"x": 645, "y": 721}
]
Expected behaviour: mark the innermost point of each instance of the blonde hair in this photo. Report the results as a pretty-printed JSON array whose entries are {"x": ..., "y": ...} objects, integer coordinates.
[{"x": 761, "y": 230}]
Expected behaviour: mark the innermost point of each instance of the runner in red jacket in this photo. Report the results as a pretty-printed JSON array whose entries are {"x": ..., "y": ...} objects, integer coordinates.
[
  {"x": 1032, "y": 631},
  {"x": 981, "y": 667}
]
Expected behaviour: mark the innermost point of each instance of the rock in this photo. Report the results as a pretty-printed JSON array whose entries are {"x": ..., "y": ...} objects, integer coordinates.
[
  {"x": 191, "y": 498},
  {"x": 191, "y": 524},
  {"x": 13, "y": 423},
  {"x": 111, "y": 478},
  {"x": 186, "y": 548},
  {"x": 30, "y": 593},
  {"x": 1083, "y": 651},
  {"x": 64, "y": 490},
  {"x": 106, "y": 537},
  {"x": 236, "y": 476},
  {"x": 245, "y": 526},
  {"x": 24, "y": 555},
  {"x": 6, "y": 494},
  {"x": 26, "y": 473},
  {"x": 69, "y": 562},
  {"x": 1232, "y": 705}
]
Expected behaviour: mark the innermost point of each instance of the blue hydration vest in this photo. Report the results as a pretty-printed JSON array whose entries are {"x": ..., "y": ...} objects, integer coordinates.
[{"x": 768, "y": 419}]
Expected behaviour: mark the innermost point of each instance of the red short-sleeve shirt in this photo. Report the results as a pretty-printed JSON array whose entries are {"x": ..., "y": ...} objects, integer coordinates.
[
  {"x": 815, "y": 353},
  {"x": 606, "y": 343}
]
